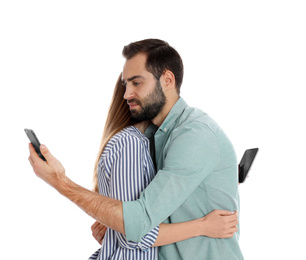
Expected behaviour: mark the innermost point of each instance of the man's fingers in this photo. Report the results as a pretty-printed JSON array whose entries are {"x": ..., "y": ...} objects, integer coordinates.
[
  {"x": 33, "y": 153},
  {"x": 34, "y": 159}
]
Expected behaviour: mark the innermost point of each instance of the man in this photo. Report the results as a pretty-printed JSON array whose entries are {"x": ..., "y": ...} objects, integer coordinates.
[{"x": 196, "y": 163}]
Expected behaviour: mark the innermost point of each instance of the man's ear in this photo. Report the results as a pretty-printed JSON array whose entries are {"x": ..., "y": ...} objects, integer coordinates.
[{"x": 168, "y": 80}]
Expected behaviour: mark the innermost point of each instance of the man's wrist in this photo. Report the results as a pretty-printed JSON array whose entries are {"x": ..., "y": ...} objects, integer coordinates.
[{"x": 63, "y": 185}]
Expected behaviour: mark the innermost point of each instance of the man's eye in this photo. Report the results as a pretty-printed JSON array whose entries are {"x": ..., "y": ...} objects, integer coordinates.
[{"x": 136, "y": 83}]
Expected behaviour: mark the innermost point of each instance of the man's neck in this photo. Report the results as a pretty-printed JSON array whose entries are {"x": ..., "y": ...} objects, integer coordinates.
[{"x": 159, "y": 119}]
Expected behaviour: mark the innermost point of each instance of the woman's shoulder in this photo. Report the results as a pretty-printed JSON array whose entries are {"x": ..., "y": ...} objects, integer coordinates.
[
  {"x": 130, "y": 131},
  {"x": 126, "y": 136}
]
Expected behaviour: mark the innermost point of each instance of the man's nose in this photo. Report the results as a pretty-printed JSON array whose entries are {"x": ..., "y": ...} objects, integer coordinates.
[{"x": 128, "y": 94}]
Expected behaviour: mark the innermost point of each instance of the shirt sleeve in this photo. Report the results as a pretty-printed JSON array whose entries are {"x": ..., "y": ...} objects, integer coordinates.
[
  {"x": 192, "y": 155},
  {"x": 129, "y": 176}
]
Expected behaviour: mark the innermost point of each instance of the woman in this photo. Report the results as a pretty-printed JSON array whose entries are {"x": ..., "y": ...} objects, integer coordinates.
[{"x": 123, "y": 169}]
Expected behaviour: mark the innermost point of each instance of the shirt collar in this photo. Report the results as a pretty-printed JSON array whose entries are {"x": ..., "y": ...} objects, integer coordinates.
[{"x": 174, "y": 113}]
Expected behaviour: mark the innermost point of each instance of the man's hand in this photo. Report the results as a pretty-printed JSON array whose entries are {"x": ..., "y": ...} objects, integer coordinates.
[
  {"x": 51, "y": 171},
  {"x": 220, "y": 224},
  {"x": 101, "y": 208},
  {"x": 98, "y": 231}
]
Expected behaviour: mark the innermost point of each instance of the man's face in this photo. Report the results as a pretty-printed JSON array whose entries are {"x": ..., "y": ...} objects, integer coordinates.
[{"x": 144, "y": 93}]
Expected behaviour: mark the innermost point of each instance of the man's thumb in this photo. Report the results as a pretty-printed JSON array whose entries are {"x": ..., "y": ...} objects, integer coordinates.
[{"x": 45, "y": 152}]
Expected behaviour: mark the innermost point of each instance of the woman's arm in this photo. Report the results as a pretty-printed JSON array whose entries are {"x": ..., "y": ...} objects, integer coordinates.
[{"x": 217, "y": 224}]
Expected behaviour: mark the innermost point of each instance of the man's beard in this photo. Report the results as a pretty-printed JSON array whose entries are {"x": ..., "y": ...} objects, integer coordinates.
[{"x": 152, "y": 104}]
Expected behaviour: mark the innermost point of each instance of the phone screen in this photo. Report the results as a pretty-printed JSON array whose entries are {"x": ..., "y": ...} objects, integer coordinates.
[{"x": 35, "y": 142}]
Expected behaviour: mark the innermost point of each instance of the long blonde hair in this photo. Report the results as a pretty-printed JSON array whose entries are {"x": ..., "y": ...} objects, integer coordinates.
[{"x": 119, "y": 117}]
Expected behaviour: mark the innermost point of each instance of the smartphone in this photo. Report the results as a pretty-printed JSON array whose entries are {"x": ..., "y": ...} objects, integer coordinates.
[
  {"x": 35, "y": 142},
  {"x": 246, "y": 163}
]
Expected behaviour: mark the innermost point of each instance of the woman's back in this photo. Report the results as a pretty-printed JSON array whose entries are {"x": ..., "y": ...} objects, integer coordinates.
[{"x": 125, "y": 169}]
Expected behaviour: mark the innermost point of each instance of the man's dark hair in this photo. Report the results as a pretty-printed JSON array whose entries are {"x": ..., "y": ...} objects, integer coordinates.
[{"x": 160, "y": 57}]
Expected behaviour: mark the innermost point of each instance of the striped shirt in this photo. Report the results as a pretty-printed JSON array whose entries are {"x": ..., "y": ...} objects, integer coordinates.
[{"x": 125, "y": 169}]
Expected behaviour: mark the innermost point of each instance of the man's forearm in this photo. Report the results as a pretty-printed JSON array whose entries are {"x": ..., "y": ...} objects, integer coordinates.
[{"x": 105, "y": 210}]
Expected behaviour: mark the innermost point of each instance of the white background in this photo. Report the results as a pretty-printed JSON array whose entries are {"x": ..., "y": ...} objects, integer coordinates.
[{"x": 245, "y": 64}]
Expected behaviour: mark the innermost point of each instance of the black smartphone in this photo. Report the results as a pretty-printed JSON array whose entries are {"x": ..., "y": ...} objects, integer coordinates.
[
  {"x": 246, "y": 163},
  {"x": 35, "y": 142}
]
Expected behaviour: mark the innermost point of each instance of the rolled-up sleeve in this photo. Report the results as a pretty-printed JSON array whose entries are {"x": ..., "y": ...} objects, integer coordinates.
[{"x": 146, "y": 242}]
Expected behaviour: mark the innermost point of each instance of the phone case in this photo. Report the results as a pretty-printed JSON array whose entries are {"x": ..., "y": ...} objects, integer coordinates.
[
  {"x": 35, "y": 142},
  {"x": 246, "y": 163}
]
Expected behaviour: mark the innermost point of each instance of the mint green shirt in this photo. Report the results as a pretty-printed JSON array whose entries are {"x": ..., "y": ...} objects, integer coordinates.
[{"x": 196, "y": 173}]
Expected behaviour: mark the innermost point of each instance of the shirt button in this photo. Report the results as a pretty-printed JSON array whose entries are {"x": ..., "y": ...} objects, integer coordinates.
[{"x": 165, "y": 129}]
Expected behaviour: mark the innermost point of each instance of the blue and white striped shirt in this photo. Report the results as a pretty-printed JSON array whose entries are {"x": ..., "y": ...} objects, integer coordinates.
[{"x": 125, "y": 169}]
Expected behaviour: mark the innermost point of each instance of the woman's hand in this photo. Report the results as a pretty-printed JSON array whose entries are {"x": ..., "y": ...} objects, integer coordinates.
[
  {"x": 219, "y": 224},
  {"x": 98, "y": 231}
]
